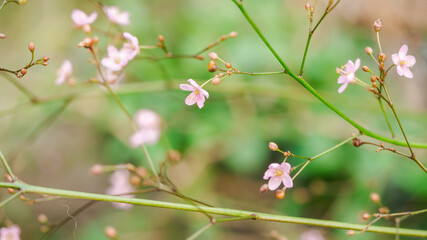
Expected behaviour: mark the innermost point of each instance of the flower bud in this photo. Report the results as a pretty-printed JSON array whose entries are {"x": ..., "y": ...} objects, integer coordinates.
[
  {"x": 200, "y": 57},
  {"x": 135, "y": 180},
  {"x": 31, "y": 46},
  {"x": 280, "y": 194},
  {"x": 373, "y": 79},
  {"x": 23, "y": 71},
  {"x": 384, "y": 210},
  {"x": 174, "y": 156},
  {"x": 233, "y": 34},
  {"x": 378, "y": 24},
  {"x": 307, "y": 6},
  {"x": 374, "y": 85},
  {"x": 213, "y": 55},
  {"x": 45, "y": 63},
  {"x": 161, "y": 38},
  {"x": 365, "y": 68},
  {"x": 212, "y": 67},
  {"x": 87, "y": 42},
  {"x": 45, "y": 59},
  {"x": 357, "y": 142},
  {"x": 368, "y": 50},
  {"x": 273, "y": 146},
  {"x": 366, "y": 216},
  {"x": 41, "y": 218},
  {"x": 223, "y": 37},
  {"x": 263, "y": 188},
  {"x": 110, "y": 232},
  {"x": 142, "y": 172},
  {"x": 375, "y": 197},
  {"x": 216, "y": 81},
  {"x": 44, "y": 228},
  {"x": 382, "y": 57},
  {"x": 2, "y": 35},
  {"x": 87, "y": 28},
  {"x": 11, "y": 190},
  {"x": 97, "y": 169},
  {"x": 287, "y": 154},
  {"x": 228, "y": 65},
  {"x": 350, "y": 233},
  {"x": 22, "y": 2}
]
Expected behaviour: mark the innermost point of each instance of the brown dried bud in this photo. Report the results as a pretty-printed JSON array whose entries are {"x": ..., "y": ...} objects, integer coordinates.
[
  {"x": 45, "y": 59},
  {"x": 273, "y": 146},
  {"x": 280, "y": 194},
  {"x": 110, "y": 232},
  {"x": 366, "y": 216},
  {"x": 375, "y": 197},
  {"x": 161, "y": 38},
  {"x": 174, "y": 156},
  {"x": 233, "y": 34},
  {"x": 368, "y": 50},
  {"x": 228, "y": 65},
  {"x": 142, "y": 172},
  {"x": 87, "y": 42},
  {"x": 200, "y": 57},
  {"x": 373, "y": 79},
  {"x": 384, "y": 210},
  {"x": 97, "y": 169},
  {"x": 23, "y": 71},
  {"x": 212, "y": 67},
  {"x": 378, "y": 24},
  {"x": 357, "y": 142},
  {"x": 375, "y": 85},
  {"x": 263, "y": 188},
  {"x": 31, "y": 46},
  {"x": 350, "y": 232},
  {"x": 366, "y": 68},
  {"x": 382, "y": 57},
  {"x": 41, "y": 218},
  {"x": 2, "y": 36},
  {"x": 216, "y": 81}
]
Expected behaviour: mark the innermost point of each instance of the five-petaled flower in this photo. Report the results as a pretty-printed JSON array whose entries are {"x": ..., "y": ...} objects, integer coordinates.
[
  {"x": 132, "y": 45},
  {"x": 64, "y": 73},
  {"x": 10, "y": 233},
  {"x": 80, "y": 18},
  {"x": 403, "y": 62},
  {"x": 149, "y": 128},
  {"x": 116, "y": 16},
  {"x": 347, "y": 74},
  {"x": 117, "y": 59},
  {"x": 278, "y": 173},
  {"x": 120, "y": 186},
  {"x": 197, "y": 94}
]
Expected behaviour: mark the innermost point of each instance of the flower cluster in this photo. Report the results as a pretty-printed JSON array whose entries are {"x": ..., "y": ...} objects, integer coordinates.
[
  {"x": 149, "y": 128},
  {"x": 120, "y": 186}
]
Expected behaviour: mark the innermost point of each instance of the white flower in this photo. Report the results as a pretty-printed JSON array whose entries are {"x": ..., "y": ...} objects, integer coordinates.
[
  {"x": 80, "y": 18},
  {"x": 132, "y": 45},
  {"x": 10, "y": 233},
  {"x": 278, "y": 173},
  {"x": 149, "y": 128},
  {"x": 64, "y": 73},
  {"x": 197, "y": 94},
  {"x": 117, "y": 16},
  {"x": 404, "y": 62},
  {"x": 116, "y": 59},
  {"x": 347, "y": 74},
  {"x": 120, "y": 185}
]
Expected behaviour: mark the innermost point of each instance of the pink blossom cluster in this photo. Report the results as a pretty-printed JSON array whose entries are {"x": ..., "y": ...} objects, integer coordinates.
[
  {"x": 120, "y": 186},
  {"x": 149, "y": 128}
]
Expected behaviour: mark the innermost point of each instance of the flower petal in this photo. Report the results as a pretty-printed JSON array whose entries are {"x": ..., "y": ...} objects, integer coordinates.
[
  {"x": 191, "y": 99},
  {"x": 395, "y": 59},
  {"x": 286, "y": 167},
  {"x": 400, "y": 70},
  {"x": 192, "y": 82},
  {"x": 274, "y": 183},
  {"x": 200, "y": 99},
  {"x": 349, "y": 67},
  {"x": 342, "y": 79},
  {"x": 407, "y": 73},
  {"x": 273, "y": 165},
  {"x": 186, "y": 87},
  {"x": 410, "y": 60},
  {"x": 92, "y": 17},
  {"x": 342, "y": 88},
  {"x": 356, "y": 65},
  {"x": 287, "y": 181},
  {"x": 204, "y": 92},
  {"x": 403, "y": 51},
  {"x": 269, "y": 173}
]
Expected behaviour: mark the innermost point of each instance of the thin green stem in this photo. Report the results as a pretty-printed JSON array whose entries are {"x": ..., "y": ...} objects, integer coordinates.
[
  {"x": 202, "y": 230},
  {"x": 378, "y": 41},
  {"x": 31, "y": 96},
  {"x": 386, "y": 118},
  {"x": 260, "y": 73},
  {"x": 335, "y": 147},
  {"x": 7, "y": 167},
  {"x": 10, "y": 198},
  {"x": 26, "y": 188},
  {"x": 307, "y": 86}
]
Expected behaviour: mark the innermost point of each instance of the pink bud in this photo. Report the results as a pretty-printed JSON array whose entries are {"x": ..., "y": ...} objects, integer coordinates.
[
  {"x": 263, "y": 188},
  {"x": 216, "y": 81},
  {"x": 110, "y": 232},
  {"x": 378, "y": 24},
  {"x": 273, "y": 146},
  {"x": 213, "y": 55},
  {"x": 350, "y": 232},
  {"x": 2, "y": 35},
  {"x": 368, "y": 50},
  {"x": 31, "y": 46},
  {"x": 233, "y": 34},
  {"x": 97, "y": 169},
  {"x": 375, "y": 197}
]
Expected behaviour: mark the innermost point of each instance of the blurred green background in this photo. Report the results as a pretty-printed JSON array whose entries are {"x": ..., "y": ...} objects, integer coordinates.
[{"x": 224, "y": 146}]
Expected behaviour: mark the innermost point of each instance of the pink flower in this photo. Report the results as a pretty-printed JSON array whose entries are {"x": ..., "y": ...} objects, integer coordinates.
[
  {"x": 347, "y": 74},
  {"x": 132, "y": 46},
  {"x": 116, "y": 59},
  {"x": 80, "y": 18},
  {"x": 312, "y": 234},
  {"x": 10, "y": 233},
  {"x": 149, "y": 124},
  {"x": 120, "y": 186},
  {"x": 64, "y": 73},
  {"x": 198, "y": 94},
  {"x": 117, "y": 16},
  {"x": 403, "y": 62},
  {"x": 278, "y": 173}
]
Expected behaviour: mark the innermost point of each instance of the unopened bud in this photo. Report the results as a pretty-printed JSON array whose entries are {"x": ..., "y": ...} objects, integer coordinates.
[
  {"x": 41, "y": 218},
  {"x": 373, "y": 79},
  {"x": 87, "y": 42},
  {"x": 223, "y": 37},
  {"x": 280, "y": 194},
  {"x": 212, "y": 67},
  {"x": 375, "y": 197},
  {"x": 368, "y": 50},
  {"x": 350, "y": 232},
  {"x": 357, "y": 142},
  {"x": 22, "y": 2},
  {"x": 228, "y": 65},
  {"x": 2, "y": 35},
  {"x": 46, "y": 58},
  {"x": 110, "y": 232},
  {"x": 263, "y": 188},
  {"x": 174, "y": 156},
  {"x": 135, "y": 180},
  {"x": 11, "y": 190},
  {"x": 366, "y": 216},
  {"x": 381, "y": 67},
  {"x": 384, "y": 210},
  {"x": 365, "y": 68},
  {"x": 378, "y": 24},
  {"x": 31, "y": 46},
  {"x": 375, "y": 85},
  {"x": 8, "y": 177},
  {"x": 200, "y": 57},
  {"x": 308, "y": 6},
  {"x": 213, "y": 55},
  {"x": 44, "y": 228},
  {"x": 273, "y": 146},
  {"x": 161, "y": 38},
  {"x": 87, "y": 29},
  {"x": 97, "y": 169},
  {"x": 287, "y": 154},
  {"x": 23, "y": 71},
  {"x": 382, "y": 57},
  {"x": 233, "y": 34},
  {"x": 142, "y": 172},
  {"x": 216, "y": 81},
  {"x": 45, "y": 64}
]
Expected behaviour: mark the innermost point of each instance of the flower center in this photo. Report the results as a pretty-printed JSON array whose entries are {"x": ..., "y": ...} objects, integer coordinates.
[
  {"x": 278, "y": 173},
  {"x": 403, "y": 63}
]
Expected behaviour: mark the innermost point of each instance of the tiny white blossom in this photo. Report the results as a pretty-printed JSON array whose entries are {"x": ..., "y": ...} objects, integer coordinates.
[
  {"x": 149, "y": 128},
  {"x": 116, "y": 16},
  {"x": 80, "y": 18},
  {"x": 116, "y": 59},
  {"x": 10, "y": 233},
  {"x": 278, "y": 173},
  {"x": 404, "y": 62},
  {"x": 120, "y": 186},
  {"x": 64, "y": 73},
  {"x": 132, "y": 45}
]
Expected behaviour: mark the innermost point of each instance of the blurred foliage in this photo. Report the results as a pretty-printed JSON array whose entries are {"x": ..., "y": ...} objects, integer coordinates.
[{"x": 224, "y": 145}]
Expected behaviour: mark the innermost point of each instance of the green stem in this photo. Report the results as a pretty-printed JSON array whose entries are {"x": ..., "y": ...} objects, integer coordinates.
[
  {"x": 6, "y": 166},
  {"x": 311, "y": 89},
  {"x": 386, "y": 118},
  {"x": 10, "y": 198},
  {"x": 26, "y": 188},
  {"x": 202, "y": 230},
  {"x": 32, "y": 97}
]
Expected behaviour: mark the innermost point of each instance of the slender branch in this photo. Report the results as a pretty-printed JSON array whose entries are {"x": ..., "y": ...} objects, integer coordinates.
[
  {"x": 386, "y": 118},
  {"x": 31, "y": 96},
  {"x": 202, "y": 230},
  {"x": 6, "y": 166},
  {"x": 10, "y": 198},
  {"x": 26, "y": 188}
]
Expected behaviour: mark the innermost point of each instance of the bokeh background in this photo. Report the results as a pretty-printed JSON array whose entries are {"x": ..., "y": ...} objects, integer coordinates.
[{"x": 224, "y": 146}]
